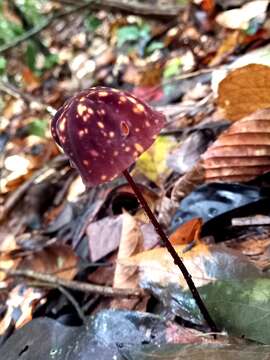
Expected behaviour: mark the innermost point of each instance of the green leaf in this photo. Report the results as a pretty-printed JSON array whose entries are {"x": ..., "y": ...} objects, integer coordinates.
[
  {"x": 3, "y": 63},
  {"x": 241, "y": 307},
  {"x": 155, "y": 45},
  {"x": 50, "y": 61},
  {"x": 132, "y": 33},
  {"x": 37, "y": 127},
  {"x": 199, "y": 352},
  {"x": 172, "y": 68},
  {"x": 92, "y": 23},
  {"x": 31, "y": 55}
]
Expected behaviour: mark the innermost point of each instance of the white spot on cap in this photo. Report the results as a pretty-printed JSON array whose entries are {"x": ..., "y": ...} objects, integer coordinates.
[
  {"x": 81, "y": 109},
  {"x": 103, "y": 93},
  {"x": 100, "y": 124},
  {"x": 94, "y": 153},
  {"x": 111, "y": 134},
  {"x": 139, "y": 108},
  {"x": 139, "y": 147},
  {"x": 103, "y": 177}
]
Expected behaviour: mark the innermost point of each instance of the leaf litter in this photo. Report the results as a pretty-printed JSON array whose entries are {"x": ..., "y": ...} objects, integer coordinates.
[{"x": 206, "y": 69}]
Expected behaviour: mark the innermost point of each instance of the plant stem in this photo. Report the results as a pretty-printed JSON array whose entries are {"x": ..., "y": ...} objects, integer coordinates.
[{"x": 175, "y": 256}]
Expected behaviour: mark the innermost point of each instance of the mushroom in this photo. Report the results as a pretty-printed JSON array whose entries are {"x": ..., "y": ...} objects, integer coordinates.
[{"x": 103, "y": 131}]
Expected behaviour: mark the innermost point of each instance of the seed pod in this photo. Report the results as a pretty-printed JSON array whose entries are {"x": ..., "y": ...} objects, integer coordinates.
[
  {"x": 103, "y": 131},
  {"x": 242, "y": 152}
]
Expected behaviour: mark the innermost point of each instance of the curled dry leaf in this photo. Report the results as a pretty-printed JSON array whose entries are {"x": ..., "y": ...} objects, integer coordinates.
[
  {"x": 242, "y": 152},
  {"x": 131, "y": 243},
  {"x": 244, "y": 91},
  {"x": 187, "y": 232}
]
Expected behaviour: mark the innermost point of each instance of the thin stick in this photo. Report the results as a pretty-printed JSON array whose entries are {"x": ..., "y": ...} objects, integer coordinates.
[
  {"x": 73, "y": 284},
  {"x": 173, "y": 253},
  {"x": 64, "y": 291}
]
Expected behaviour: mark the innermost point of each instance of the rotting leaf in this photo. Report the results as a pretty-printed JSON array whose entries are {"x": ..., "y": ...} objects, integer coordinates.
[{"x": 244, "y": 91}]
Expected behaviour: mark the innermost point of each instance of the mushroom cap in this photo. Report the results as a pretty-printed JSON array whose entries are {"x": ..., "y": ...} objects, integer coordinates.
[{"x": 103, "y": 131}]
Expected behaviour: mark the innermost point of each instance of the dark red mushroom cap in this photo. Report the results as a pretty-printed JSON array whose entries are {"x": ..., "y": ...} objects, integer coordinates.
[{"x": 103, "y": 130}]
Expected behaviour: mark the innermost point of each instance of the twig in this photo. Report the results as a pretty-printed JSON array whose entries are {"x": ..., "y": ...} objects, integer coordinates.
[
  {"x": 18, "y": 94},
  {"x": 69, "y": 296},
  {"x": 37, "y": 29},
  {"x": 73, "y": 284}
]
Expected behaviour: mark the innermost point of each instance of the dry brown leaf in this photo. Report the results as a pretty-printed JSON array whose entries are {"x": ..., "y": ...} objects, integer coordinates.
[
  {"x": 205, "y": 263},
  {"x": 187, "y": 232},
  {"x": 242, "y": 152},
  {"x": 59, "y": 260},
  {"x": 20, "y": 305},
  {"x": 187, "y": 183},
  {"x": 245, "y": 90},
  {"x": 131, "y": 243}
]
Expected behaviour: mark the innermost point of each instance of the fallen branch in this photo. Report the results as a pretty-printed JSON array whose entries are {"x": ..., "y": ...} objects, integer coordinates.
[
  {"x": 132, "y": 6},
  {"x": 73, "y": 284}
]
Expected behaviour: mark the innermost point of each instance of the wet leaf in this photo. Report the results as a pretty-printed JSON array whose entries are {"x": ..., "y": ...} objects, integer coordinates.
[
  {"x": 211, "y": 200},
  {"x": 244, "y": 91},
  {"x": 191, "y": 352},
  {"x": 102, "y": 339}
]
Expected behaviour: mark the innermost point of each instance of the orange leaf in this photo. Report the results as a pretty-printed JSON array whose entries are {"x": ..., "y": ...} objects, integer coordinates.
[
  {"x": 245, "y": 90},
  {"x": 187, "y": 232}
]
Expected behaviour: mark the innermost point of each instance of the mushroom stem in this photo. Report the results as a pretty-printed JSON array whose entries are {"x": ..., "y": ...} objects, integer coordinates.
[{"x": 175, "y": 256}]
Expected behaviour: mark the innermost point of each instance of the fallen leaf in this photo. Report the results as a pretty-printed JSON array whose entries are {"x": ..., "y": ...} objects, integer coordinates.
[
  {"x": 204, "y": 263},
  {"x": 152, "y": 163},
  {"x": 186, "y": 233},
  {"x": 21, "y": 302},
  {"x": 104, "y": 236},
  {"x": 59, "y": 260},
  {"x": 192, "y": 352},
  {"x": 102, "y": 338},
  {"x": 244, "y": 91},
  {"x": 242, "y": 152},
  {"x": 241, "y": 18},
  {"x": 131, "y": 243},
  {"x": 241, "y": 307}
]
